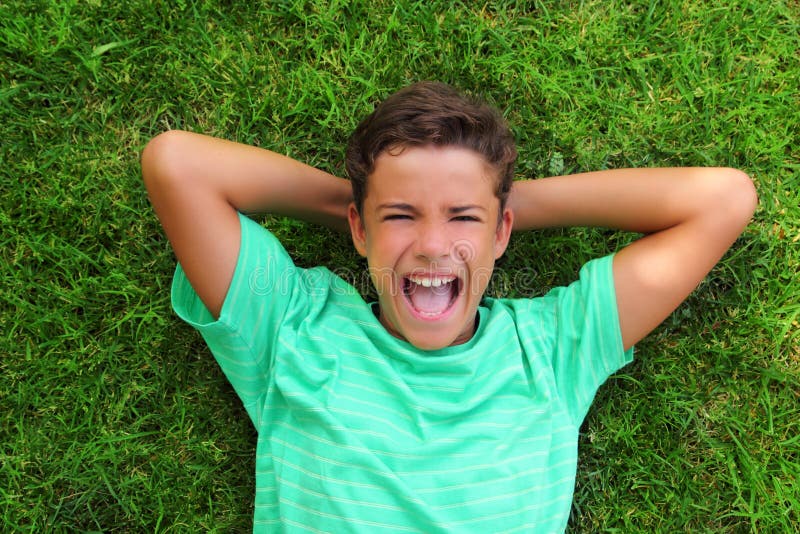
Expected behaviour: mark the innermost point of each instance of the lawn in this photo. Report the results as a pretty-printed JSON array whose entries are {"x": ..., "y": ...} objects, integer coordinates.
[{"x": 115, "y": 416}]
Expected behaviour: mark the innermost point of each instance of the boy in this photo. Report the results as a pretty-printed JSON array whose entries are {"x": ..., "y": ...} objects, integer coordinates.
[{"x": 434, "y": 409}]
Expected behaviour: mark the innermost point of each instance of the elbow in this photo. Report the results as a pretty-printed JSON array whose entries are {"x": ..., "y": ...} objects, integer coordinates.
[
  {"x": 726, "y": 196},
  {"x": 161, "y": 159},
  {"x": 740, "y": 196}
]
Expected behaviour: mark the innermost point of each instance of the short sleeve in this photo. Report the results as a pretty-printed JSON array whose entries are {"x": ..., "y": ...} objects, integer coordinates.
[
  {"x": 242, "y": 339},
  {"x": 588, "y": 343}
]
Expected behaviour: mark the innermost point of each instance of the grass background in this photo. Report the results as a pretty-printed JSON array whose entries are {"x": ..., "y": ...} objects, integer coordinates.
[{"x": 114, "y": 416}]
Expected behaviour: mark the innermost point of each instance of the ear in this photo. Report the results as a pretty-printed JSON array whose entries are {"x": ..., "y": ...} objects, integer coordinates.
[
  {"x": 357, "y": 230},
  {"x": 503, "y": 233}
]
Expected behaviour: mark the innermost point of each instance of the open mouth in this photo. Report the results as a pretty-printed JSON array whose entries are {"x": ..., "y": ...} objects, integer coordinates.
[{"x": 431, "y": 296}]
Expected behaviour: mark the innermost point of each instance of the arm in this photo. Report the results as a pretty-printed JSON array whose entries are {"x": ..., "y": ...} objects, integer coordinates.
[
  {"x": 691, "y": 216},
  {"x": 198, "y": 183}
]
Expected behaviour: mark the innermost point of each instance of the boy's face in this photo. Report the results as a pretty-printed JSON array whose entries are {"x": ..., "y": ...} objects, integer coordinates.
[{"x": 430, "y": 233}]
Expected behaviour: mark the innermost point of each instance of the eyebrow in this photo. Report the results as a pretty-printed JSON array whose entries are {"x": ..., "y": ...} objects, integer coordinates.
[
  {"x": 402, "y": 206},
  {"x": 468, "y": 207},
  {"x": 397, "y": 206}
]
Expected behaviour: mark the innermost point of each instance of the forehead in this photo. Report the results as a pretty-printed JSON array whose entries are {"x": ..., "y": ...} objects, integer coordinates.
[{"x": 432, "y": 172}]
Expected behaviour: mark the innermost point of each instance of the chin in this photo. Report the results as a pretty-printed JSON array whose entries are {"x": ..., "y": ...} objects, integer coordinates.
[
  {"x": 436, "y": 338},
  {"x": 429, "y": 344}
]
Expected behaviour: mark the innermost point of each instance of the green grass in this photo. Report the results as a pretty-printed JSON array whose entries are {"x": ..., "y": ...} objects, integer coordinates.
[{"x": 114, "y": 416}]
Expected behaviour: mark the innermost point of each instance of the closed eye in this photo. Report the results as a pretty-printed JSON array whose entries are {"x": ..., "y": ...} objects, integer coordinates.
[
  {"x": 397, "y": 217},
  {"x": 465, "y": 218}
]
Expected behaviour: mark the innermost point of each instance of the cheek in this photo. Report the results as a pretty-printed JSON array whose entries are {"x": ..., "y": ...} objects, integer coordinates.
[
  {"x": 464, "y": 250},
  {"x": 388, "y": 246},
  {"x": 480, "y": 278},
  {"x": 478, "y": 248},
  {"x": 380, "y": 264},
  {"x": 382, "y": 278}
]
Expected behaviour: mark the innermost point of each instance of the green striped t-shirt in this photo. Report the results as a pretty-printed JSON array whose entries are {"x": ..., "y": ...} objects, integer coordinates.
[{"x": 359, "y": 431}]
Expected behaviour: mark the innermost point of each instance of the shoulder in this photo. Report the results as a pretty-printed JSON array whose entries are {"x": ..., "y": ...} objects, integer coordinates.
[
  {"x": 595, "y": 281},
  {"x": 262, "y": 272},
  {"x": 593, "y": 287},
  {"x": 584, "y": 307}
]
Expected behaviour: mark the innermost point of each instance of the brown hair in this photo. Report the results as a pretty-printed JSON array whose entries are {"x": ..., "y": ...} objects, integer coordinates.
[{"x": 431, "y": 113}]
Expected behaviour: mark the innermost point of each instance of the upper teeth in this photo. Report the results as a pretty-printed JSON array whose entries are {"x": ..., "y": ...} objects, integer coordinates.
[{"x": 435, "y": 281}]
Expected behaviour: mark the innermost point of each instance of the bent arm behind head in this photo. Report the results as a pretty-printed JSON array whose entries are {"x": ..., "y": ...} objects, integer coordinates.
[
  {"x": 691, "y": 217},
  {"x": 197, "y": 184}
]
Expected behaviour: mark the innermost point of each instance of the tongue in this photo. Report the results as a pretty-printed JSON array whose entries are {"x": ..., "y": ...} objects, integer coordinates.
[{"x": 430, "y": 299}]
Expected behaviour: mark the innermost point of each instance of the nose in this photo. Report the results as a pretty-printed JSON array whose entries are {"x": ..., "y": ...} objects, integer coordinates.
[{"x": 432, "y": 242}]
